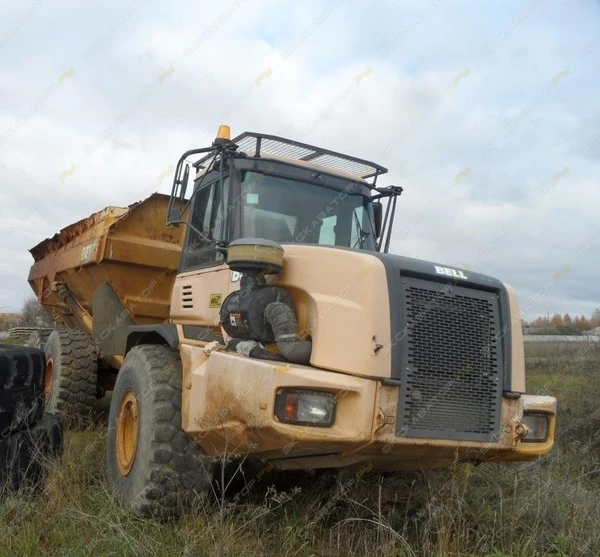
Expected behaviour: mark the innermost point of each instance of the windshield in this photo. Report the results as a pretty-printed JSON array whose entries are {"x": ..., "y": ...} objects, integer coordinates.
[{"x": 290, "y": 211}]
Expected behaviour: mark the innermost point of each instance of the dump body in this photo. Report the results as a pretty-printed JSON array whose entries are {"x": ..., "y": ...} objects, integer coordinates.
[{"x": 116, "y": 266}]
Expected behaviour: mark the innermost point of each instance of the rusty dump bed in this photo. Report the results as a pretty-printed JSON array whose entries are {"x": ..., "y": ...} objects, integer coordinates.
[{"x": 120, "y": 262}]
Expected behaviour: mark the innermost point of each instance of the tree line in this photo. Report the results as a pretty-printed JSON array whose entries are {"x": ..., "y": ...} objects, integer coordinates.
[
  {"x": 33, "y": 314},
  {"x": 564, "y": 324}
]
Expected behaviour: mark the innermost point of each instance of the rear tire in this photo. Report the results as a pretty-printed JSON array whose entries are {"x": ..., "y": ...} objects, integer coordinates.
[
  {"x": 154, "y": 468},
  {"x": 71, "y": 383}
]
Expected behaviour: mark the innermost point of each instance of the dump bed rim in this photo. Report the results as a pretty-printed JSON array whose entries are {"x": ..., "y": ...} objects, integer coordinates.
[{"x": 69, "y": 233}]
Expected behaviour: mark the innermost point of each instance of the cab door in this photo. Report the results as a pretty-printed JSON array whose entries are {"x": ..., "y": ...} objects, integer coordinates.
[{"x": 204, "y": 277}]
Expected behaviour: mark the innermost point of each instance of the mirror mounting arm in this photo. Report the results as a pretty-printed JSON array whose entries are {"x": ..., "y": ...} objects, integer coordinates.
[{"x": 391, "y": 193}]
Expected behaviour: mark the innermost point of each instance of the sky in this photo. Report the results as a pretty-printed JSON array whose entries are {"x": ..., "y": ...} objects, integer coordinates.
[{"x": 485, "y": 112}]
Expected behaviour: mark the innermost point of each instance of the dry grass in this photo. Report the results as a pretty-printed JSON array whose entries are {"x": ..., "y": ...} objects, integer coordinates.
[{"x": 550, "y": 507}]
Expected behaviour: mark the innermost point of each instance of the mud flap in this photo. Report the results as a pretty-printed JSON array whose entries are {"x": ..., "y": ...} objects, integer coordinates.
[{"x": 112, "y": 321}]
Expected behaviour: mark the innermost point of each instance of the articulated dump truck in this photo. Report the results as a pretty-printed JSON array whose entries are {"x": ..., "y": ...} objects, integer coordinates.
[{"x": 255, "y": 313}]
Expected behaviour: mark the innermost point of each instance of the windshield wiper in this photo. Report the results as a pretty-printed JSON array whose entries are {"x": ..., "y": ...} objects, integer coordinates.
[{"x": 362, "y": 234}]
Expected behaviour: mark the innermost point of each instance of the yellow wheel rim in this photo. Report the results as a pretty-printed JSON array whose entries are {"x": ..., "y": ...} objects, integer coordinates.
[
  {"x": 48, "y": 378},
  {"x": 127, "y": 432}
]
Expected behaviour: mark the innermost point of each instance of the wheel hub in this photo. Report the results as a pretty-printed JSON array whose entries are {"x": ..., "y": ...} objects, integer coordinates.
[
  {"x": 48, "y": 378},
  {"x": 127, "y": 432}
]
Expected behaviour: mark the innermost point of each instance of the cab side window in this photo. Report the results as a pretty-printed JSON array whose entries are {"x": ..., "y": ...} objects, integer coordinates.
[{"x": 209, "y": 216}]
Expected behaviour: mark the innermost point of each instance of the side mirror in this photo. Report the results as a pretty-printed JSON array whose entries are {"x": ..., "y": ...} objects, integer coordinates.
[
  {"x": 184, "y": 182},
  {"x": 175, "y": 213},
  {"x": 378, "y": 217}
]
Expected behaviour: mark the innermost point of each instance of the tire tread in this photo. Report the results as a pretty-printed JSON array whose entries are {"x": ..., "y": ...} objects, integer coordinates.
[
  {"x": 178, "y": 470},
  {"x": 21, "y": 388},
  {"x": 78, "y": 372}
]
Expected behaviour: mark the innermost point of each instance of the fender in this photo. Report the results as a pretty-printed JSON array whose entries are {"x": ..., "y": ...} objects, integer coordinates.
[{"x": 165, "y": 333}]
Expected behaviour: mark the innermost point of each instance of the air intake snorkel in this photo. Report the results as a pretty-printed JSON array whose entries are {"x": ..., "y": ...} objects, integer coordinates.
[{"x": 258, "y": 312}]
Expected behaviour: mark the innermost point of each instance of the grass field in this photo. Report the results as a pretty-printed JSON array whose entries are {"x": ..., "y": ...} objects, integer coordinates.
[{"x": 551, "y": 507}]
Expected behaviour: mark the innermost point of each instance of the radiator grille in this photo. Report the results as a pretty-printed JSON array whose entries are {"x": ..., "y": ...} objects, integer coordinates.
[{"x": 452, "y": 362}]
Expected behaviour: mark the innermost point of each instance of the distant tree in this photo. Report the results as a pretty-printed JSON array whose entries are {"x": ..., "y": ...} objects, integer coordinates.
[
  {"x": 585, "y": 324},
  {"x": 595, "y": 320},
  {"x": 556, "y": 320},
  {"x": 567, "y": 320},
  {"x": 9, "y": 320},
  {"x": 35, "y": 315},
  {"x": 538, "y": 323}
]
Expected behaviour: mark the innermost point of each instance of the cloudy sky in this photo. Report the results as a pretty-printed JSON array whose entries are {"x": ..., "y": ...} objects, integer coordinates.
[{"x": 485, "y": 112}]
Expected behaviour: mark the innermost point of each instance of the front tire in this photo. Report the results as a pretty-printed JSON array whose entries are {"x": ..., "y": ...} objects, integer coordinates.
[{"x": 154, "y": 469}]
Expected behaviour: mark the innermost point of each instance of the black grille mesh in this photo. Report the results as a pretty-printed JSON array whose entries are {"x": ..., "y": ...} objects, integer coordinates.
[{"x": 452, "y": 362}]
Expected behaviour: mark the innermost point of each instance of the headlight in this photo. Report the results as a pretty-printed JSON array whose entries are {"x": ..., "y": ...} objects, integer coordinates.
[
  {"x": 295, "y": 406},
  {"x": 537, "y": 426}
]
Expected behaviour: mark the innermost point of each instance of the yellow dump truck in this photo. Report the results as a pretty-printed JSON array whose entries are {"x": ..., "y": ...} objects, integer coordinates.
[{"x": 255, "y": 313}]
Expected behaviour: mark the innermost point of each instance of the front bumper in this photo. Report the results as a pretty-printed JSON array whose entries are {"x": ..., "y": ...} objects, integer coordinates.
[{"x": 229, "y": 406}]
